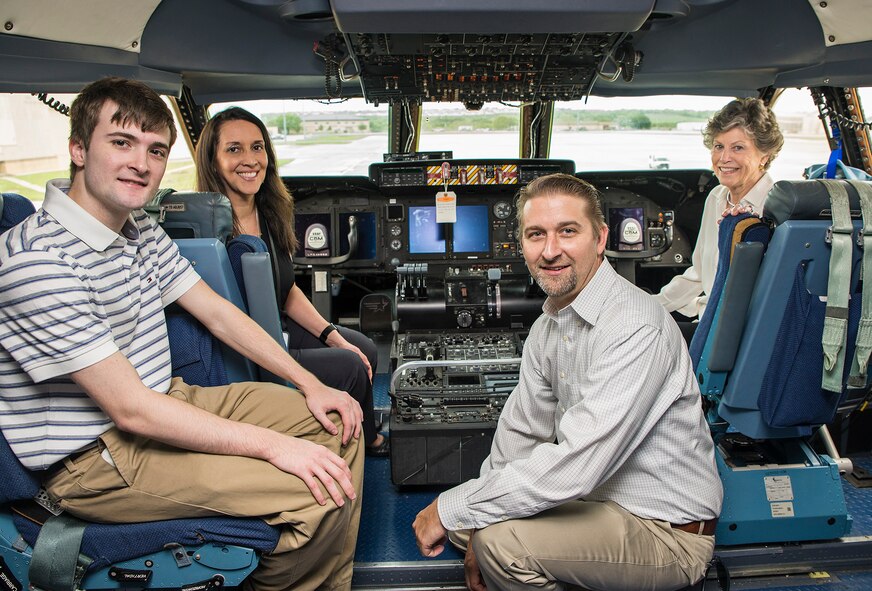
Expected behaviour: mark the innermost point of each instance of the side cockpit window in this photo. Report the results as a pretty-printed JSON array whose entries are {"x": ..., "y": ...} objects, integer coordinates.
[
  {"x": 805, "y": 140},
  {"x": 34, "y": 133}
]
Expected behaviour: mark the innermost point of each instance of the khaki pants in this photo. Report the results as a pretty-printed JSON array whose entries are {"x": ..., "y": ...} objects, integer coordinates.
[
  {"x": 152, "y": 481},
  {"x": 588, "y": 545}
]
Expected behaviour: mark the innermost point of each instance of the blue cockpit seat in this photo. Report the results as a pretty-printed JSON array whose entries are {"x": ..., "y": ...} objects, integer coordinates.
[
  {"x": 193, "y": 214},
  {"x": 201, "y": 223},
  {"x": 759, "y": 358},
  {"x": 253, "y": 268},
  {"x": 13, "y": 209},
  {"x": 210, "y": 259},
  {"x": 182, "y": 553},
  {"x": 177, "y": 553},
  {"x": 766, "y": 354}
]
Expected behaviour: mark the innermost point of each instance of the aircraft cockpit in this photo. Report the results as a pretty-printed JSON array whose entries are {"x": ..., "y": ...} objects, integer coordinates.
[{"x": 404, "y": 131}]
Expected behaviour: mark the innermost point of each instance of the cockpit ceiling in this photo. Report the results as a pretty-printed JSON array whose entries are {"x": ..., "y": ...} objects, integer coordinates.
[
  {"x": 472, "y": 51},
  {"x": 101, "y": 23}
]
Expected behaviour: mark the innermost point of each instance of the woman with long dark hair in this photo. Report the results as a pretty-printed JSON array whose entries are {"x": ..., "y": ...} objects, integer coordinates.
[{"x": 236, "y": 157}]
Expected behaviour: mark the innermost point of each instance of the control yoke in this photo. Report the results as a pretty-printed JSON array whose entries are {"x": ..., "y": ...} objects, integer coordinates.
[{"x": 330, "y": 261}]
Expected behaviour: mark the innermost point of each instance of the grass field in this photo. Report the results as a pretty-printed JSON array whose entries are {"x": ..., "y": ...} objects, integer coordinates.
[{"x": 33, "y": 186}]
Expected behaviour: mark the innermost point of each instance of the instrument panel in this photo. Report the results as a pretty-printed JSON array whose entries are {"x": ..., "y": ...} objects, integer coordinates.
[
  {"x": 450, "y": 173},
  {"x": 394, "y": 215},
  {"x": 454, "y": 378},
  {"x": 463, "y": 299}
]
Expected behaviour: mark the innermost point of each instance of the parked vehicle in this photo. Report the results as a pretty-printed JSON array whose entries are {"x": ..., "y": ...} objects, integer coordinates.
[{"x": 658, "y": 162}]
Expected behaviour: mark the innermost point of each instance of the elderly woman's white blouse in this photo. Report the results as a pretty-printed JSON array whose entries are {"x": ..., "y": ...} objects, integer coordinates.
[{"x": 688, "y": 293}]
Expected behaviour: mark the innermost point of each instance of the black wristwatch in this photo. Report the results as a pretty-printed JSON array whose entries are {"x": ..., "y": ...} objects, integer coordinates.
[{"x": 326, "y": 332}]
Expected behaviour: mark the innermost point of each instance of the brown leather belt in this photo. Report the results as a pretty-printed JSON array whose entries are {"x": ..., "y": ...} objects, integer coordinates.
[{"x": 700, "y": 528}]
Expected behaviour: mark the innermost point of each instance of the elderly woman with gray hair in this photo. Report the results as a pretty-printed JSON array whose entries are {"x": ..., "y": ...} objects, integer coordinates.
[{"x": 744, "y": 139}]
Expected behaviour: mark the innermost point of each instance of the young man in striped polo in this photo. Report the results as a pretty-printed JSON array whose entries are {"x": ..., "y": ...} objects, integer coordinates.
[{"x": 85, "y": 386}]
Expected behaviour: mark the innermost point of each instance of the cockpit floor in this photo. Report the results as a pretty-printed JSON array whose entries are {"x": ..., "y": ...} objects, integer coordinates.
[{"x": 388, "y": 558}]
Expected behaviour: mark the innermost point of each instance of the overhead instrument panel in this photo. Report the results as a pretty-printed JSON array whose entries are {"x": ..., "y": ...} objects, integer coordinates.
[{"x": 478, "y": 68}]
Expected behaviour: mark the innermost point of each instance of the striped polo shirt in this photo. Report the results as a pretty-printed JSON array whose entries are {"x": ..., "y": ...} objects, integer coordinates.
[{"x": 72, "y": 293}]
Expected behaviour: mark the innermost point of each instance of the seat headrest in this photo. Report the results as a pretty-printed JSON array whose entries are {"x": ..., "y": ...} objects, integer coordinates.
[
  {"x": 192, "y": 214},
  {"x": 805, "y": 200},
  {"x": 13, "y": 209}
]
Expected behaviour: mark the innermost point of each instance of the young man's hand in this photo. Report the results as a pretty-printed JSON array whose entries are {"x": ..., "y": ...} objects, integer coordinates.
[
  {"x": 315, "y": 465},
  {"x": 115, "y": 386},
  {"x": 322, "y": 399}
]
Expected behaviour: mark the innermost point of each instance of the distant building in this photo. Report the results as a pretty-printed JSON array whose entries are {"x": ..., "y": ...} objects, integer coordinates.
[
  {"x": 592, "y": 126},
  {"x": 318, "y": 124},
  {"x": 29, "y": 134},
  {"x": 34, "y": 137},
  {"x": 790, "y": 124},
  {"x": 800, "y": 124}
]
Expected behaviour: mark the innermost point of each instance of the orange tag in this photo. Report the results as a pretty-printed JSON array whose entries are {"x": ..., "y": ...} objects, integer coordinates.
[{"x": 446, "y": 207}]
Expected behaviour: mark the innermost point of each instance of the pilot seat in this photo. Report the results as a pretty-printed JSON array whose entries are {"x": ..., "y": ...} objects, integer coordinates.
[
  {"x": 782, "y": 348},
  {"x": 61, "y": 553}
]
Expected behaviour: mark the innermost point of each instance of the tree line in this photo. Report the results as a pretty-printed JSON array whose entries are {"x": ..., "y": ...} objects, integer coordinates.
[{"x": 573, "y": 120}]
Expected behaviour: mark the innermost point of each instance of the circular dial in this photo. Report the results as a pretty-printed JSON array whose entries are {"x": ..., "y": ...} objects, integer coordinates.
[
  {"x": 396, "y": 230},
  {"x": 396, "y": 245},
  {"x": 464, "y": 319},
  {"x": 502, "y": 209}
]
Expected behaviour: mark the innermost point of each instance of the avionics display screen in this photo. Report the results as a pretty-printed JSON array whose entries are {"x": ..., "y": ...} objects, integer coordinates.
[
  {"x": 315, "y": 226},
  {"x": 425, "y": 235},
  {"x": 366, "y": 234},
  {"x": 626, "y": 228},
  {"x": 471, "y": 231}
]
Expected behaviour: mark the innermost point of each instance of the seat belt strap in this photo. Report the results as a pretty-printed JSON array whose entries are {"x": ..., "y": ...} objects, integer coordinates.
[
  {"x": 56, "y": 563},
  {"x": 836, "y": 320},
  {"x": 860, "y": 363}
]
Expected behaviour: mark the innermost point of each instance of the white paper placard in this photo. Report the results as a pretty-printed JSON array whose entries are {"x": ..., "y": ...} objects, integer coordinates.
[{"x": 446, "y": 207}]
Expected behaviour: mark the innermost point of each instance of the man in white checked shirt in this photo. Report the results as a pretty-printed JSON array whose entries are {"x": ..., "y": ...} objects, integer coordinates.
[{"x": 602, "y": 473}]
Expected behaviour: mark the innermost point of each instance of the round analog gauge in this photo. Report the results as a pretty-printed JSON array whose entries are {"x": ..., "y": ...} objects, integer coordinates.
[
  {"x": 502, "y": 209},
  {"x": 396, "y": 230},
  {"x": 396, "y": 245}
]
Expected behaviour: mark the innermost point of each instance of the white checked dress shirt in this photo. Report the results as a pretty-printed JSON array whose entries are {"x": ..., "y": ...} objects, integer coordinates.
[{"x": 607, "y": 408}]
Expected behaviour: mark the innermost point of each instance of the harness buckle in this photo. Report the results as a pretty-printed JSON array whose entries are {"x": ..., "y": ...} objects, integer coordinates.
[{"x": 42, "y": 499}]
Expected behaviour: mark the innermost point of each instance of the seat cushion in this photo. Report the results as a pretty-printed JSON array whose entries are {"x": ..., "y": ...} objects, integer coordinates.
[
  {"x": 18, "y": 482},
  {"x": 112, "y": 543}
]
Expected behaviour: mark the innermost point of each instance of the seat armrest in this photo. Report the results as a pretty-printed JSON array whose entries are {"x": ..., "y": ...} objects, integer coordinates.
[
  {"x": 736, "y": 298},
  {"x": 262, "y": 306}
]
